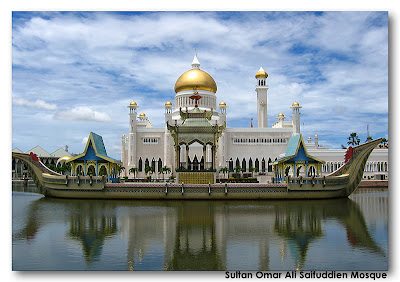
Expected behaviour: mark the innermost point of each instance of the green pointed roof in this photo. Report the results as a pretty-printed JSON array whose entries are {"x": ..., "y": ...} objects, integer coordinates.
[
  {"x": 296, "y": 143},
  {"x": 98, "y": 146}
]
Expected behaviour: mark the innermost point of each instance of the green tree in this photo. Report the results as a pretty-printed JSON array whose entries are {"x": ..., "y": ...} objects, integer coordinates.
[
  {"x": 149, "y": 170},
  {"x": 385, "y": 143},
  {"x": 133, "y": 170},
  {"x": 224, "y": 170},
  {"x": 120, "y": 168},
  {"x": 238, "y": 168},
  {"x": 353, "y": 139},
  {"x": 252, "y": 169},
  {"x": 165, "y": 169}
]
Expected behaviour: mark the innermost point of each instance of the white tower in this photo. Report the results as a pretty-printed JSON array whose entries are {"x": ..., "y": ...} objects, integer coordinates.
[
  {"x": 222, "y": 114},
  {"x": 296, "y": 117},
  {"x": 132, "y": 135},
  {"x": 168, "y": 142},
  {"x": 262, "y": 104}
]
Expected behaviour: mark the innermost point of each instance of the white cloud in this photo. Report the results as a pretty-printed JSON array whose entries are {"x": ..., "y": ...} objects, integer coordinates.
[
  {"x": 82, "y": 113},
  {"x": 40, "y": 104},
  {"x": 327, "y": 63}
]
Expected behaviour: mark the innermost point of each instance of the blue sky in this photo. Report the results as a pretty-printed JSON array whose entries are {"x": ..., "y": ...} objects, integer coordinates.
[{"x": 75, "y": 72}]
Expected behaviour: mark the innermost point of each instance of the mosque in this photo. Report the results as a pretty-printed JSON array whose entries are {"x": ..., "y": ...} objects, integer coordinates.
[{"x": 252, "y": 149}]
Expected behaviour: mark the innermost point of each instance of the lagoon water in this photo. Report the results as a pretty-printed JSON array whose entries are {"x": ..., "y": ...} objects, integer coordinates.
[{"x": 64, "y": 234}]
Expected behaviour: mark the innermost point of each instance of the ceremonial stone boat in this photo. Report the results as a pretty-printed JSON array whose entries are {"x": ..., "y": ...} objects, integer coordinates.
[{"x": 339, "y": 184}]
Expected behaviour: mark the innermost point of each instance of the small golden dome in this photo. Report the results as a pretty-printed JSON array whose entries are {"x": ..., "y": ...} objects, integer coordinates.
[
  {"x": 142, "y": 115},
  {"x": 195, "y": 79},
  {"x": 280, "y": 115},
  {"x": 261, "y": 73},
  {"x": 295, "y": 104},
  {"x": 133, "y": 103},
  {"x": 309, "y": 138},
  {"x": 316, "y": 136},
  {"x": 123, "y": 135},
  {"x": 168, "y": 103},
  {"x": 222, "y": 103}
]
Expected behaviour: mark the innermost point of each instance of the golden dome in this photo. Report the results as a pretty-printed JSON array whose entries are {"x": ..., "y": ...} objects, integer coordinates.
[
  {"x": 295, "y": 104},
  {"x": 133, "y": 103},
  {"x": 261, "y": 73},
  {"x": 168, "y": 103},
  {"x": 309, "y": 138},
  {"x": 222, "y": 103},
  {"x": 281, "y": 115},
  {"x": 123, "y": 135},
  {"x": 195, "y": 79},
  {"x": 316, "y": 136},
  {"x": 142, "y": 115}
]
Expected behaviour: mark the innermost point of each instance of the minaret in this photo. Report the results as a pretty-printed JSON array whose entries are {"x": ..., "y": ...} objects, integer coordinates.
[
  {"x": 296, "y": 117},
  {"x": 123, "y": 149},
  {"x": 221, "y": 150},
  {"x": 132, "y": 135},
  {"x": 168, "y": 148},
  {"x": 262, "y": 104}
]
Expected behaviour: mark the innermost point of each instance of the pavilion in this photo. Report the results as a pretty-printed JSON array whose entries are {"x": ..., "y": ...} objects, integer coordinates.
[
  {"x": 94, "y": 160},
  {"x": 297, "y": 162}
]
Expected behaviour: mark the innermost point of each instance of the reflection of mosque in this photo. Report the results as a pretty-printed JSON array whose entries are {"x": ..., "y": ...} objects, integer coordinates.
[
  {"x": 209, "y": 235},
  {"x": 91, "y": 230}
]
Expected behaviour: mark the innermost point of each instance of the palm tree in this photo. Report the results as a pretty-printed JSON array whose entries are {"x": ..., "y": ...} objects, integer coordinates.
[
  {"x": 133, "y": 170},
  {"x": 120, "y": 168},
  {"x": 353, "y": 139},
  {"x": 149, "y": 169},
  {"x": 238, "y": 168},
  {"x": 224, "y": 170},
  {"x": 165, "y": 169},
  {"x": 369, "y": 139},
  {"x": 385, "y": 142},
  {"x": 252, "y": 169}
]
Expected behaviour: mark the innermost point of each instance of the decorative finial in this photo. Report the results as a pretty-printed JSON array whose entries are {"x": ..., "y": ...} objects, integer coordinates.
[
  {"x": 195, "y": 63},
  {"x": 251, "y": 123},
  {"x": 195, "y": 97}
]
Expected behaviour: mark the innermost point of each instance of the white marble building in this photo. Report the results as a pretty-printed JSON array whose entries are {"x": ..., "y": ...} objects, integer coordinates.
[{"x": 254, "y": 147}]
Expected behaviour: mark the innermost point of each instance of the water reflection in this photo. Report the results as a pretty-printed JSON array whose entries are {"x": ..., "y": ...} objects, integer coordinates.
[{"x": 201, "y": 235}]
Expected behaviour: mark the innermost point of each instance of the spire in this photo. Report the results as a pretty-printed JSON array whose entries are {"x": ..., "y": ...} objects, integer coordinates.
[{"x": 195, "y": 63}]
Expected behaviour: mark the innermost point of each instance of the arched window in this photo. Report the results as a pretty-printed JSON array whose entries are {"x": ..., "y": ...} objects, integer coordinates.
[
  {"x": 237, "y": 162},
  {"x": 269, "y": 165},
  {"x": 231, "y": 164},
  {"x": 103, "y": 170},
  {"x": 244, "y": 165},
  {"x": 91, "y": 170},
  {"x": 140, "y": 166},
  {"x": 159, "y": 164},
  {"x": 263, "y": 165},
  {"x": 146, "y": 163},
  {"x": 257, "y": 165},
  {"x": 250, "y": 162},
  {"x": 79, "y": 170}
]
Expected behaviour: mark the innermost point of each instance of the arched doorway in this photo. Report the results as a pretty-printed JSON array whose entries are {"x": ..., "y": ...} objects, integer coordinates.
[
  {"x": 300, "y": 171},
  {"x": 103, "y": 170},
  {"x": 91, "y": 170},
  {"x": 288, "y": 170},
  {"x": 312, "y": 171},
  {"x": 79, "y": 170}
]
